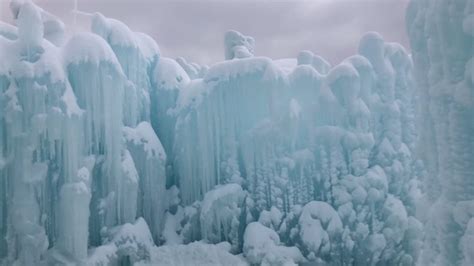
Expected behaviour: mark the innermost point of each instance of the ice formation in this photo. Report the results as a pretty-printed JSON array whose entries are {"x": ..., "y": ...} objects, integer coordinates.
[
  {"x": 112, "y": 154},
  {"x": 442, "y": 40}
]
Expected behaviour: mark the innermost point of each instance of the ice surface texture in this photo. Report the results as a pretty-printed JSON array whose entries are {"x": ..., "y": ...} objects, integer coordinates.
[{"x": 111, "y": 154}]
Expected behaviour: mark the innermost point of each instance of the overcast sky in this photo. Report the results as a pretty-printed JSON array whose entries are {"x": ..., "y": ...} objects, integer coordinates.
[{"x": 194, "y": 29}]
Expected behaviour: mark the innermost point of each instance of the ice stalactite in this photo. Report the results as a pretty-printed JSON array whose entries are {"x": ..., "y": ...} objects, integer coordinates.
[
  {"x": 137, "y": 54},
  {"x": 168, "y": 79},
  {"x": 149, "y": 158},
  {"x": 214, "y": 114},
  {"x": 98, "y": 83},
  {"x": 38, "y": 105},
  {"x": 63, "y": 157}
]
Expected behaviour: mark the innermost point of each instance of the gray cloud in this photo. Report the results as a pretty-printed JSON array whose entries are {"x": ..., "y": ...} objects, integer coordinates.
[{"x": 194, "y": 29}]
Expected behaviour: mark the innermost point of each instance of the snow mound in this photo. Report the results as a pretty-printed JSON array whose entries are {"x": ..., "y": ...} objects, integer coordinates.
[
  {"x": 262, "y": 247},
  {"x": 319, "y": 226}
]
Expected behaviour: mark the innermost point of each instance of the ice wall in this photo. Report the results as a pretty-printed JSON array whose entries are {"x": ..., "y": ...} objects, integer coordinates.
[
  {"x": 108, "y": 149},
  {"x": 214, "y": 113},
  {"x": 344, "y": 136},
  {"x": 442, "y": 36},
  {"x": 71, "y": 172}
]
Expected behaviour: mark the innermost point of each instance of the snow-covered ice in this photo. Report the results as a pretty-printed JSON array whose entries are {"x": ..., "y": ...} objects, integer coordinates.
[{"x": 114, "y": 154}]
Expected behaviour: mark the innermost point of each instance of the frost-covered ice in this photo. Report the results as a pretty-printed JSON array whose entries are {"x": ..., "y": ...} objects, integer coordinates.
[{"x": 112, "y": 154}]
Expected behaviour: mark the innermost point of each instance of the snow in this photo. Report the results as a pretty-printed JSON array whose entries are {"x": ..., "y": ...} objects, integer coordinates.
[
  {"x": 376, "y": 244},
  {"x": 30, "y": 28},
  {"x": 341, "y": 71},
  {"x": 196, "y": 253},
  {"x": 102, "y": 255},
  {"x": 191, "y": 95},
  {"x": 83, "y": 175},
  {"x": 132, "y": 240},
  {"x": 128, "y": 167},
  {"x": 113, "y": 31},
  {"x": 359, "y": 62},
  {"x": 319, "y": 224},
  {"x": 286, "y": 64},
  {"x": 132, "y": 236},
  {"x": 231, "y": 190},
  {"x": 228, "y": 70},
  {"x": 272, "y": 218},
  {"x": 170, "y": 229},
  {"x": 70, "y": 101},
  {"x": 318, "y": 63},
  {"x": 193, "y": 70},
  {"x": 87, "y": 47},
  {"x": 144, "y": 135},
  {"x": 220, "y": 211},
  {"x": 53, "y": 27},
  {"x": 170, "y": 75},
  {"x": 147, "y": 45},
  {"x": 262, "y": 247},
  {"x": 304, "y": 72}
]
